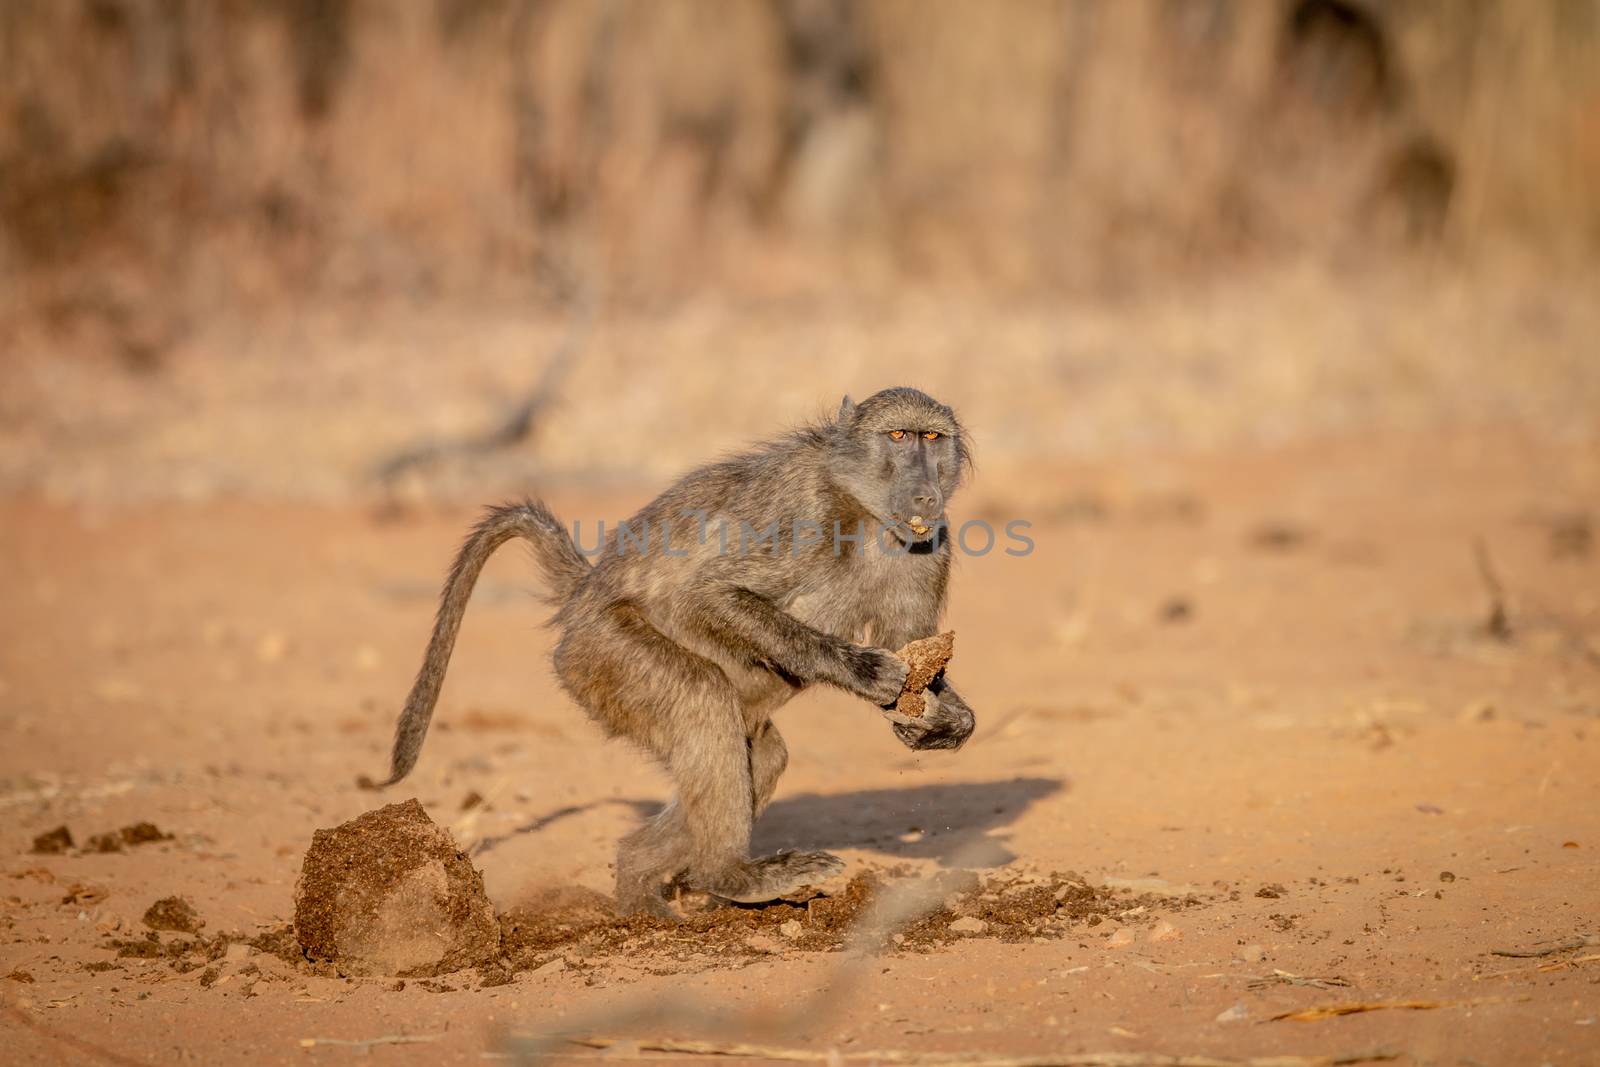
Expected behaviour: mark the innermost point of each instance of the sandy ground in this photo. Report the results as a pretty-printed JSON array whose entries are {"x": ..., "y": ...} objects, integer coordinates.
[{"x": 1259, "y": 680}]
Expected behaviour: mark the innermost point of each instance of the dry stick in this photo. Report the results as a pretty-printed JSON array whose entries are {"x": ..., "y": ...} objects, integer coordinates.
[
  {"x": 1571, "y": 943},
  {"x": 1498, "y": 624},
  {"x": 1539, "y": 968},
  {"x": 977, "y": 1059},
  {"x": 1331, "y": 1011},
  {"x": 366, "y": 1043},
  {"x": 518, "y": 422}
]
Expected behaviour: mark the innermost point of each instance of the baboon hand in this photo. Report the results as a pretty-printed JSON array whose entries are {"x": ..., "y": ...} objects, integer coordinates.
[
  {"x": 946, "y": 722},
  {"x": 876, "y": 675}
]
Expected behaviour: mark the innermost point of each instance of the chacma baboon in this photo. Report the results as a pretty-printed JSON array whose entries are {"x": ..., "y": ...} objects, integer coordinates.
[{"x": 744, "y": 583}]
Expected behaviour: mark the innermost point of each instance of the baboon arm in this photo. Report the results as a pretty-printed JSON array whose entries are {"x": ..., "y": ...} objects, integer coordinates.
[{"x": 743, "y": 620}]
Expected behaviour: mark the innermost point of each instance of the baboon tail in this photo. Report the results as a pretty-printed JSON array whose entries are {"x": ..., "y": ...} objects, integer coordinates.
[{"x": 563, "y": 566}]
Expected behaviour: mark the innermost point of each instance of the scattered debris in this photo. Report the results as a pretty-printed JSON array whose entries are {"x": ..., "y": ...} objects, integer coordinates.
[{"x": 1013, "y": 909}]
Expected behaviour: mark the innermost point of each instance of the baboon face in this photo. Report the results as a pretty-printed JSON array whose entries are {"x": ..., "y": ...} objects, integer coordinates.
[{"x": 900, "y": 453}]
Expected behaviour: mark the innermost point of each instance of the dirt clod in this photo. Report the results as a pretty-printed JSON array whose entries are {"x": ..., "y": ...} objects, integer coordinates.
[
  {"x": 53, "y": 842},
  {"x": 173, "y": 913},
  {"x": 926, "y": 658},
  {"x": 388, "y": 894}
]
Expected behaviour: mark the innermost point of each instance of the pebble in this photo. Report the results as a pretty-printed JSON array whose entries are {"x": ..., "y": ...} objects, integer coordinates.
[
  {"x": 969, "y": 924},
  {"x": 1121, "y": 938},
  {"x": 763, "y": 943},
  {"x": 792, "y": 929}
]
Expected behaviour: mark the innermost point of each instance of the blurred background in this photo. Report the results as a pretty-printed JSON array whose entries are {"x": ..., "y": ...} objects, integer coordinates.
[{"x": 325, "y": 248}]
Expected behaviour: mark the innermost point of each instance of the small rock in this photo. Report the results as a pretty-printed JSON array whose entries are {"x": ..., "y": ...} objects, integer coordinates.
[
  {"x": 969, "y": 924},
  {"x": 54, "y": 842},
  {"x": 1446, "y": 876},
  {"x": 792, "y": 930},
  {"x": 550, "y": 966},
  {"x": 1236, "y": 1014},
  {"x": 1121, "y": 938},
  {"x": 1271, "y": 891},
  {"x": 762, "y": 943},
  {"x": 104, "y": 843},
  {"x": 1164, "y": 931},
  {"x": 237, "y": 952},
  {"x": 1252, "y": 953},
  {"x": 173, "y": 913}
]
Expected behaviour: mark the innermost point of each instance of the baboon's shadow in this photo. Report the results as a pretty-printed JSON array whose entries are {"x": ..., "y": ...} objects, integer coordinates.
[{"x": 945, "y": 823}]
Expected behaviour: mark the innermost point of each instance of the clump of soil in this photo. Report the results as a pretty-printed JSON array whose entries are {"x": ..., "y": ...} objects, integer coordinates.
[
  {"x": 389, "y": 894},
  {"x": 926, "y": 658},
  {"x": 139, "y": 833},
  {"x": 173, "y": 913},
  {"x": 53, "y": 842}
]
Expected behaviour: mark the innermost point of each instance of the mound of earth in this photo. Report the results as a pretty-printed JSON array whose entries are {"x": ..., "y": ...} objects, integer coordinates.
[{"x": 388, "y": 894}]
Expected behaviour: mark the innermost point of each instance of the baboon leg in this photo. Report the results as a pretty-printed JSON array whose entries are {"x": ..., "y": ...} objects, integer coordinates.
[
  {"x": 768, "y": 758},
  {"x": 647, "y": 859},
  {"x": 637, "y": 683}
]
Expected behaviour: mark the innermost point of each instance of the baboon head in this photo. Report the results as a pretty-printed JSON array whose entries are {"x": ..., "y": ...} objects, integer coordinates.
[{"x": 900, "y": 453}]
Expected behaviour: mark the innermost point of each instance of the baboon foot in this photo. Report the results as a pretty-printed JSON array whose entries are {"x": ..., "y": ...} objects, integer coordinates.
[
  {"x": 645, "y": 903},
  {"x": 770, "y": 877}
]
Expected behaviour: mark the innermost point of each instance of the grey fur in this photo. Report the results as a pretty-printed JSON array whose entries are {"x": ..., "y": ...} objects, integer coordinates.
[{"x": 687, "y": 649}]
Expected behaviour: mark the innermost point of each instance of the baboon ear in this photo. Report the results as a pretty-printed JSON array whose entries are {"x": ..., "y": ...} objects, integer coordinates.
[{"x": 847, "y": 409}]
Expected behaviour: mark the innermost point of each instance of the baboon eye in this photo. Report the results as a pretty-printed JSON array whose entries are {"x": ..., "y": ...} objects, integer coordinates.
[
  {"x": 930, "y": 436},
  {"x": 897, "y": 434}
]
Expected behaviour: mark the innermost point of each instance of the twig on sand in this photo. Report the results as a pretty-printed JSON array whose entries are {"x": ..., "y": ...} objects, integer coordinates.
[
  {"x": 1332, "y": 981},
  {"x": 974, "y": 1059},
  {"x": 368, "y": 1042},
  {"x": 1358, "y": 1007},
  {"x": 1540, "y": 968},
  {"x": 1566, "y": 945}
]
